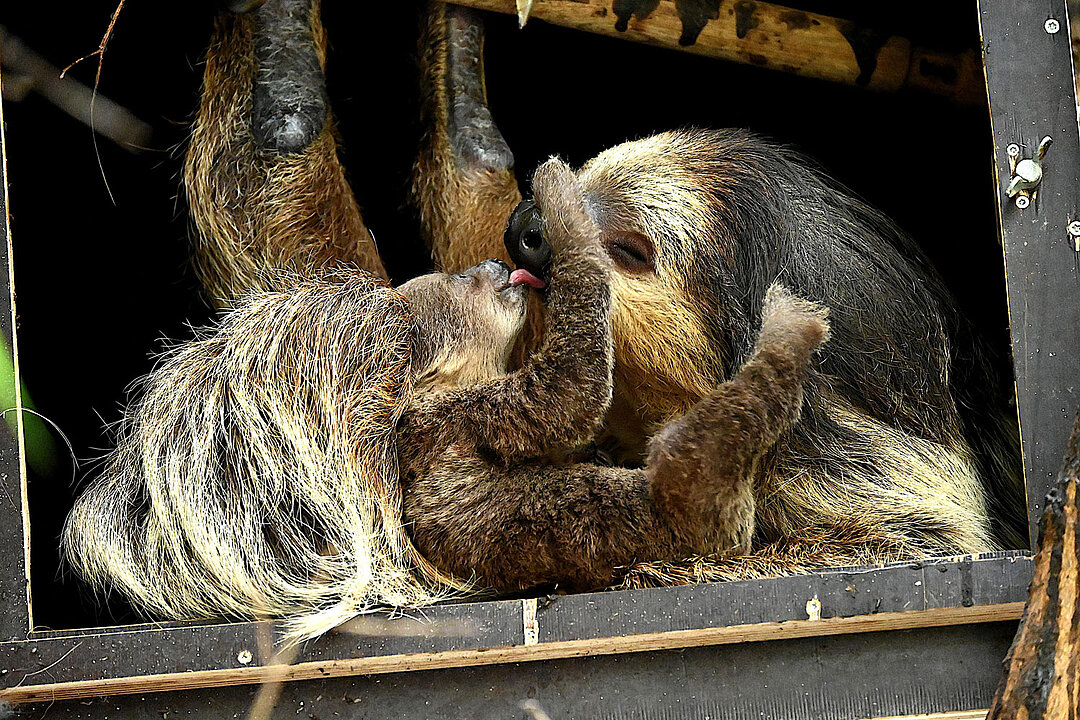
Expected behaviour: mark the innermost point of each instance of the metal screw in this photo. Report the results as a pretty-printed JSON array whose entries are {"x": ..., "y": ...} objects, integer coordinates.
[
  {"x": 244, "y": 657},
  {"x": 1022, "y": 201},
  {"x": 1012, "y": 150},
  {"x": 1074, "y": 228},
  {"x": 1051, "y": 26}
]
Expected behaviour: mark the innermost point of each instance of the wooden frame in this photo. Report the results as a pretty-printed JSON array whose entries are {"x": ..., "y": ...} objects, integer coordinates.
[{"x": 811, "y": 623}]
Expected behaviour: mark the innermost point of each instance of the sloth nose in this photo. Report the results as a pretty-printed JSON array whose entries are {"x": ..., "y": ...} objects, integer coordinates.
[
  {"x": 496, "y": 271},
  {"x": 524, "y": 239}
]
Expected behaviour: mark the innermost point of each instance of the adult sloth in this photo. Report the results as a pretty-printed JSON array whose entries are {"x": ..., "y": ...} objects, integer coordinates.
[{"x": 904, "y": 448}]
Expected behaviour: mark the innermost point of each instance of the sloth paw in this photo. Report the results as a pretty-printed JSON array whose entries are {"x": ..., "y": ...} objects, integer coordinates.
[{"x": 791, "y": 325}]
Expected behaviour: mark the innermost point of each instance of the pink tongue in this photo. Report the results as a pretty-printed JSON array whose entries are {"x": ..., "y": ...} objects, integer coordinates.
[{"x": 524, "y": 277}]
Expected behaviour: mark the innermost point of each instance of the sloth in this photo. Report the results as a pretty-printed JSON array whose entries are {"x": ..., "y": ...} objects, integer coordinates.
[
  {"x": 907, "y": 446},
  {"x": 336, "y": 445}
]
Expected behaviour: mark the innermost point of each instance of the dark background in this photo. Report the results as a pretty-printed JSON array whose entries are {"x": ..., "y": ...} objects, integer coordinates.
[{"x": 101, "y": 286}]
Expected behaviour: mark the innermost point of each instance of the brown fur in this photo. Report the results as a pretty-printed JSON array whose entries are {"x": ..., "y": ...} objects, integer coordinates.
[
  {"x": 464, "y": 195},
  {"x": 257, "y": 475},
  {"x": 901, "y": 480},
  {"x": 485, "y": 494},
  {"x": 258, "y": 208},
  {"x": 903, "y": 485},
  {"x": 463, "y": 182}
]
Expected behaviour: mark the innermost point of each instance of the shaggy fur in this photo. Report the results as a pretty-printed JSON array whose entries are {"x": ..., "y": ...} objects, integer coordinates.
[
  {"x": 907, "y": 441},
  {"x": 262, "y": 175},
  {"x": 907, "y": 447},
  {"x": 258, "y": 476}
]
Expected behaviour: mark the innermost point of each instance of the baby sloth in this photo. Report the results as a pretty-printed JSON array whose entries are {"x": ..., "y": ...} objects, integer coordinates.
[{"x": 340, "y": 445}]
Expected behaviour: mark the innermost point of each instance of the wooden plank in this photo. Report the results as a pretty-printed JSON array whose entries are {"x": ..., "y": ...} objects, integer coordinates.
[
  {"x": 149, "y": 658},
  {"x": 15, "y": 620},
  {"x": 310, "y": 670},
  {"x": 900, "y": 588},
  {"x": 1030, "y": 82},
  {"x": 840, "y": 677},
  {"x": 774, "y": 37},
  {"x": 957, "y": 715}
]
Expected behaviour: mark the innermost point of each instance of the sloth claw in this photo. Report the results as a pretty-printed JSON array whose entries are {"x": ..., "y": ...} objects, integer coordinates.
[
  {"x": 289, "y": 104},
  {"x": 475, "y": 140}
]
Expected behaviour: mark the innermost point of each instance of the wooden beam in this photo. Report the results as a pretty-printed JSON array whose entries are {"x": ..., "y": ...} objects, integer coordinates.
[
  {"x": 774, "y": 37},
  {"x": 1029, "y": 76},
  {"x": 15, "y": 620},
  {"x": 677, "y": 639}
]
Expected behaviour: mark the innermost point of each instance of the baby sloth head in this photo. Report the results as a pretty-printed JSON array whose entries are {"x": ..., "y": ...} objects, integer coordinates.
[{"x": 464, "y": 325}]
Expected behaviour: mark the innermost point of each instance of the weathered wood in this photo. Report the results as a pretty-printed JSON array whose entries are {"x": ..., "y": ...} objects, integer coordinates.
[
  {"x": 774, "y": 37},
  {"x": 1030, "y": 82},
  {"x": 15, "y": 619},
  {"x": 676, "y": 639},
  {"x": 922, "y": 674},
  {"x": 1042, "y": 671},
  {"x": 938, "y": 593}
]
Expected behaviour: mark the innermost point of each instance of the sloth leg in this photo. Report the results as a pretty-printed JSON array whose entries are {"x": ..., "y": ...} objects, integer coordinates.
[
  {"x": 262, "y": 175},
  {"x": 463, "y": 182}
]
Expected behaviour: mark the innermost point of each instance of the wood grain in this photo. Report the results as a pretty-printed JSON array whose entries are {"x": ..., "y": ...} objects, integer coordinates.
[
  {"x": 779, "y": 38},
  {"x": 1041, "y": 680},
  {"x": 513, "y": 654}
]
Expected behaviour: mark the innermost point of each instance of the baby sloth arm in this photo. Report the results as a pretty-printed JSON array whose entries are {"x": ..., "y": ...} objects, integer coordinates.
[{"x": 556, "y": 402}]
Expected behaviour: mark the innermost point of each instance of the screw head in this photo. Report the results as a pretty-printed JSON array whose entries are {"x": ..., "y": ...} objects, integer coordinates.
[
  {"x": 1022, "y": 201},
  {"x": 1074, "y": 228},
  {"x": 1051, "y": 26},
  {"x": 244, "y": 657},
  {"x": 1012, "y": 150}
]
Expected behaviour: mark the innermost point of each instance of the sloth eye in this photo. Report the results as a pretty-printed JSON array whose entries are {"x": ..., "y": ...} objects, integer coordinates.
[{"x": 632, "y": 252}]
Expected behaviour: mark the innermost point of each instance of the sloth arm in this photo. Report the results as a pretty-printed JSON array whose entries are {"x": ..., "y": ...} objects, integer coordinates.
[
  {"x": 523, "y": 525},
  {"x": 264, "y": 183},
  {"x": 557, "y": 401}
]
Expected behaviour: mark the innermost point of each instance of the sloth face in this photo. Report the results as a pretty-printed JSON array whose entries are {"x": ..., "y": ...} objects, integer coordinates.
[
  {"x": 658, "y": 204},
  {"x": 465, "y": 324}
]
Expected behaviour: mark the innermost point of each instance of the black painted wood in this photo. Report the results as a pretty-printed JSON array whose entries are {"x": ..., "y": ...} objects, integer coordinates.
[
  {"x": 154, "y": 650},
  {"x": 898, "y": 588},
  {"x": 830, "y": 678},
  {"x": 1030, "y": 81},
  {"x": 14, "y": 571},
  {"x": 151, "y": 650}
]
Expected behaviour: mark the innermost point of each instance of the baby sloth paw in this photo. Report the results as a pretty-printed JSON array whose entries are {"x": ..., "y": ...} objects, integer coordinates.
[
  {"x": 792, "y": 326},
  {"x": 561, "y": 201}
]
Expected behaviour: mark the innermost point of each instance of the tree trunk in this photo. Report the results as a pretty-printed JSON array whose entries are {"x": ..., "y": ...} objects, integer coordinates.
[{"x": 1042, "y": 669}]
